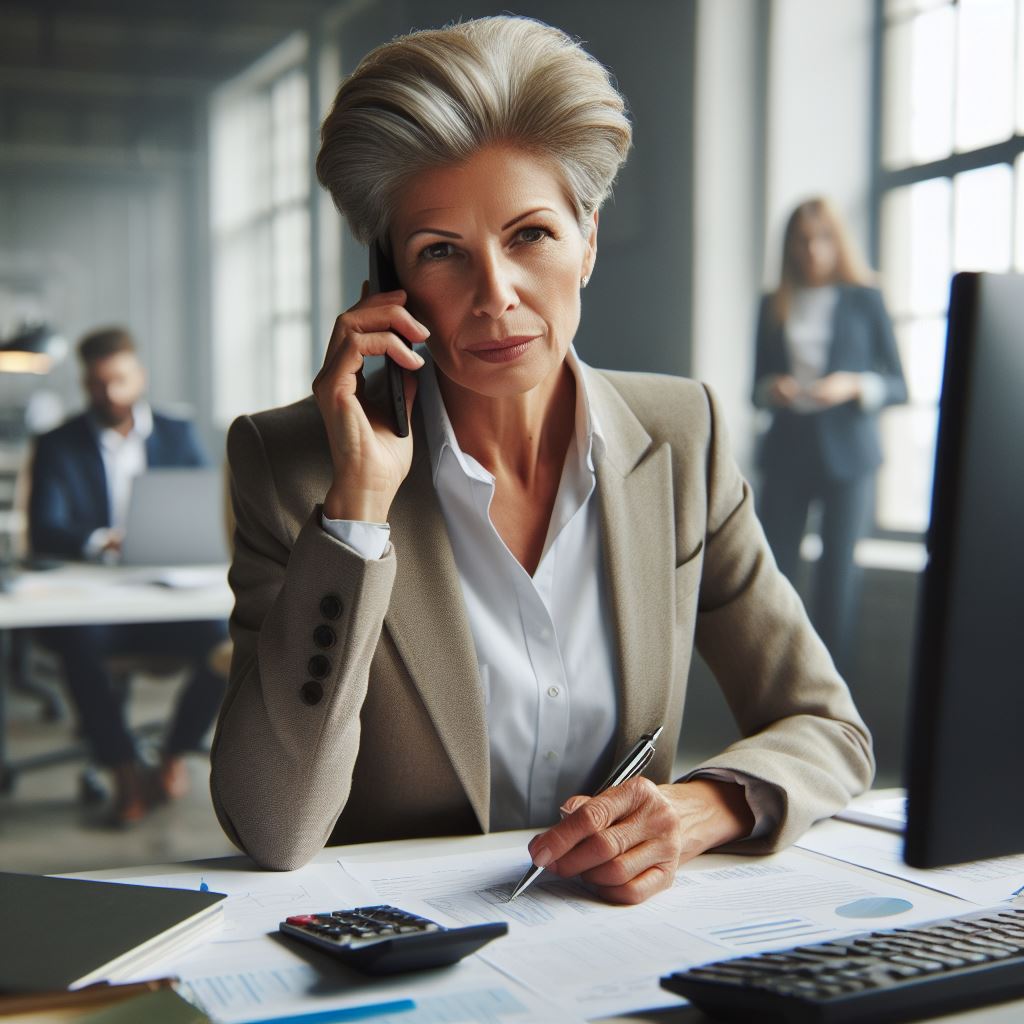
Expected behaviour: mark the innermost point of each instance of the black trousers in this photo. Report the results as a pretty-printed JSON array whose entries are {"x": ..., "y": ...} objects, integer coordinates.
[
  {"x": 84, "y": 651},
  {"x": 787, "y": 494}
]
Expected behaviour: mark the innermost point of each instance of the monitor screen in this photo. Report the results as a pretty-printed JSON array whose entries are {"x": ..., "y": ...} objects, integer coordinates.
[{"x": 965, "y": 765}]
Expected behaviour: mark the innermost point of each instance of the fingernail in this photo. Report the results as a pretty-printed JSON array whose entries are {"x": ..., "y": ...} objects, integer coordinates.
[
  {"x": 542, "y": 858},
  {"x": 564, "y": 811}
]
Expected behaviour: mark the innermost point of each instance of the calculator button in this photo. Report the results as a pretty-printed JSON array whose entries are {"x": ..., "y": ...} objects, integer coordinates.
[{"x": 302, "y": 920}]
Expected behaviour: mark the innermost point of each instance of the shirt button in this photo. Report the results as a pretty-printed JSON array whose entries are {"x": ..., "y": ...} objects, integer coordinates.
[
  {"x": 552, "y": 691},
  {"x": 330, "y": 607},
  {"x": 324, "y": 637},
  {"x": 551, "y": 755},
  {"x": 312, "y": 693}
]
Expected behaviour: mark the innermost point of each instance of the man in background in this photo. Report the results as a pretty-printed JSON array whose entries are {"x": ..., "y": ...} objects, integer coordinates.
[{"x": 82, "y": 475}]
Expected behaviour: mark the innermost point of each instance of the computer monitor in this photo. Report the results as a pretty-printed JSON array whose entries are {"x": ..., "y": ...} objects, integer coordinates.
[{"x": 965, "y": 765}]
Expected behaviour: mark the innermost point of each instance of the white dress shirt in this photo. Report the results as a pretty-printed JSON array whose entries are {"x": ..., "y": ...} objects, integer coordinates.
[
  {"x": 124, "y": 458},
  {"x": 544, "y": 643}
]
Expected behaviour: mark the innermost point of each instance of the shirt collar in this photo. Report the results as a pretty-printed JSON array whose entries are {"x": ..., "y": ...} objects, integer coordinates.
[
  {"x": 142, "y": 425},
  {"x": 590, "y": 441}
]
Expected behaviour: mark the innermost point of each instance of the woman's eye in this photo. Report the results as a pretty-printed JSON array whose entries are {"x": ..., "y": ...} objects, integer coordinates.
[
  {"x": 530, "y": 235},
  {"x": 437, "y": 251}
]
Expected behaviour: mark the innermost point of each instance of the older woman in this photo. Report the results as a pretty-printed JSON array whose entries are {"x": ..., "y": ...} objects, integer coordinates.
[{"x": 460, "y": 630}]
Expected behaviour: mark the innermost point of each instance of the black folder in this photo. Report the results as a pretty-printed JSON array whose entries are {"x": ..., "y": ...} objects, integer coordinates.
[{"x": 59, "y": 933}]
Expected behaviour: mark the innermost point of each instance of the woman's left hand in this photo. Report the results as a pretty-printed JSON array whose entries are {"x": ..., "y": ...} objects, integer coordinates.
[
  {"x": 836, "y": 388},
  {"x": 628, "y": 841}
]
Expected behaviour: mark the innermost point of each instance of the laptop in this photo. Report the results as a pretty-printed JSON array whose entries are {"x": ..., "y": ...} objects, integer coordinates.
[{"x": 176, "y": 517}]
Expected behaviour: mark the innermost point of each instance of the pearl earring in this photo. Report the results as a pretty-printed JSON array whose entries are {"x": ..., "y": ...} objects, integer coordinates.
[{"x": 585, "y": 279}]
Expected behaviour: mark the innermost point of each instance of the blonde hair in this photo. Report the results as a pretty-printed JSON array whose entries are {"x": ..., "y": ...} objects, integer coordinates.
[
  {"x": 850, "y": 268},
  {"x": 436, "y": 97}
]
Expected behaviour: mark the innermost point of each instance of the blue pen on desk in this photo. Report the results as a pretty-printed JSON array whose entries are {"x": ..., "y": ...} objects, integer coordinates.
[
  {"x": 638, "y": 758},
  {"x": 341, "y": 1016},
  {"x": 1017, "y": 894}
]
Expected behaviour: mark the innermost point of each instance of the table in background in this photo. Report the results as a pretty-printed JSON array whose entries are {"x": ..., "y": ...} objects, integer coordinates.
[{"x": 79, "y": 594}]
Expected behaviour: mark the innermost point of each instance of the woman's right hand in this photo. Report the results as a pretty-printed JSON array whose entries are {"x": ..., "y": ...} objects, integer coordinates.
[{"x": 370, "y": 460}]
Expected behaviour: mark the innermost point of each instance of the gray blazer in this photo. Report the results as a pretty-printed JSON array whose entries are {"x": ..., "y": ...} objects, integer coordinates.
[{"x": 353, "y": 711}]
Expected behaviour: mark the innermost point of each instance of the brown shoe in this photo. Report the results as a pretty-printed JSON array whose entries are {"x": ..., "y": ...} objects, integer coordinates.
[
  {"x": 174, "y": 779},
  {"x": 130, "y": 794}
]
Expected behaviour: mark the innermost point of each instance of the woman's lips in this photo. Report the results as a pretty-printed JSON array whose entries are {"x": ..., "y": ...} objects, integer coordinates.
[{"x": 505, "y": 351}]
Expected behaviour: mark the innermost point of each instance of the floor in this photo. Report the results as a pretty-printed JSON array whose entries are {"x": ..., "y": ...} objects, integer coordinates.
[{"x": 45, "y": 828}]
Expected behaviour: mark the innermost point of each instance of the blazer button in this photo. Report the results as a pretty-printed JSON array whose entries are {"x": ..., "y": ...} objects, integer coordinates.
[
  {"x": 312, "y": 693},
  {"x": 324, "y": 637},
  {"x": 319, "y": 666},
  {"x": 330, "y": 607}
]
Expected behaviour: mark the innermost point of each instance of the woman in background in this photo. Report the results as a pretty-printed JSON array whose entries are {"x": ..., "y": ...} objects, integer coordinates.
[{"x": 826, "y": 364}]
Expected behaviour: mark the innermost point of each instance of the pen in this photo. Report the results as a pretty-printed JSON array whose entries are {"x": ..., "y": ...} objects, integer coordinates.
[
  {"x": 341, "y": 1015},
  {"x": 633, "y": 763}
]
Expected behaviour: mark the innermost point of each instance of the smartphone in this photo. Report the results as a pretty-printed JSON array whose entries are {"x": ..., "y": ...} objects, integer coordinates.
[{"x": 384, "y": 279}]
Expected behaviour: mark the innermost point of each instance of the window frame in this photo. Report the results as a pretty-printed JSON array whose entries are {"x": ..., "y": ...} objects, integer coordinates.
[{"x": 885, "y": 180}]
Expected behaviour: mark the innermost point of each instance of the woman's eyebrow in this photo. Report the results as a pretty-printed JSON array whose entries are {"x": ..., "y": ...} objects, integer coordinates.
[
  {"x": 431, "y": 231},
  {"x": 523, "y": 216}
]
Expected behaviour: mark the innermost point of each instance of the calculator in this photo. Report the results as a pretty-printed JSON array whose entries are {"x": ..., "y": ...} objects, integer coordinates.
[{"x": 386, "y": 940}]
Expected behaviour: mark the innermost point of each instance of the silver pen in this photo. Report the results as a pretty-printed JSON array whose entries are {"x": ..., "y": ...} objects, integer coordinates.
[{"x": 633, "y": 763}]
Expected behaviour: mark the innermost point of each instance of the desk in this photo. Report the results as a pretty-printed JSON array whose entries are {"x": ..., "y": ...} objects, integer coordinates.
[
  {"x": 220, "y": 870},
  {"x": 81, "y": 594}
]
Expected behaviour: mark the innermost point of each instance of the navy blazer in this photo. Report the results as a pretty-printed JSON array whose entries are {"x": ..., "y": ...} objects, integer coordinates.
[
  {"x": 69, "y": 497},
  {"x": 846, "y": 436}
]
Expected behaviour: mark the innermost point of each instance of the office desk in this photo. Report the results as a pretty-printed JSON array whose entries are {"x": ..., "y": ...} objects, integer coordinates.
[
  {"x": 187, "y": 875},
  {"x": 80, "y": 594}
]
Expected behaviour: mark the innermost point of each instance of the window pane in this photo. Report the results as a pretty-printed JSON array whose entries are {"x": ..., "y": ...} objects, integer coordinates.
[
  {"x": 240, "y": 159},
  {"x": 905, "y": 479},
  {"x": 290, "y": 104},
  {"x": 916, "y": 248},
  {"x": 1019, "y": 192},
  {"x": 1020, "y": 67},
  {"x": 982, "y": 227},
  {"x": 292, "y": 375},
  {"x": 896, "y": 8},
  {"x": 291, "y": 261},
  {"x": 919, "y": 89},
  {"x": 985, "y": 73},
  {"x": 922, "y": 346},
  {"x": 241, "y": 324}
]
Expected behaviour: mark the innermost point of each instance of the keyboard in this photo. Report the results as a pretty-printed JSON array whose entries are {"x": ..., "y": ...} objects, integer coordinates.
[{"x": 897, "y": 974}]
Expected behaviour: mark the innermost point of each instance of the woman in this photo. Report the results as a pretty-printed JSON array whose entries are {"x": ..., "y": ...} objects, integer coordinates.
[
  {"x": 826, "y": 363},
  {"x": 458, "y": 630}
]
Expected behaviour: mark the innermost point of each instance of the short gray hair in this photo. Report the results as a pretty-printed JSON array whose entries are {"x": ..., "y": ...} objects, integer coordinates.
[{"x": 436, "y": 97}]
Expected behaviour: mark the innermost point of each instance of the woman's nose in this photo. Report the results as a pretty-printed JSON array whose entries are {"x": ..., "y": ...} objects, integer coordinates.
[{"x": 496, "y": 292}]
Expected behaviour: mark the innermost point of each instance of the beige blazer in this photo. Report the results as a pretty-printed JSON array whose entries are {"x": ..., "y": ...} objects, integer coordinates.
[{"x": 354, "y": 711}]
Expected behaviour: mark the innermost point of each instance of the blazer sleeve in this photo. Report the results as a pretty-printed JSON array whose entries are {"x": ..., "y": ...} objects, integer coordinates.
[
  {"x": 54, "y": 527},
  {"x": 801, "y": 731},
  {"x": 193, "y": 452},
  {"x": 886, "y": 354},
  {"x": 288, "y": 732}
]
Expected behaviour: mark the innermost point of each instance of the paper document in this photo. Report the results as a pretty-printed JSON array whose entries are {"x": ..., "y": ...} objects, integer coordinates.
[
  {"x": 607, "y": 959},
  {"x": 884, "y": 808},
  {"x": 249, "y": 973},
  {"x": 985, "y": 882}
]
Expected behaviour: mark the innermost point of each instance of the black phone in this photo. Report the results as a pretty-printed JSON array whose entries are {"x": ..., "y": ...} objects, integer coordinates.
[{"x": 384, "y": 279}]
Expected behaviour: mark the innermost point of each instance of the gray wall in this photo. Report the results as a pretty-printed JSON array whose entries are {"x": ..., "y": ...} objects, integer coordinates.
[{"x": 637, "y": 311}]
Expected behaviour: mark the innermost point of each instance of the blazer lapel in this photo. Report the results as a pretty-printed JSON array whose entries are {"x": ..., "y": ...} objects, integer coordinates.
[
  {"x": 634, "y": 482},
  {"x": 427, "y": 621}
]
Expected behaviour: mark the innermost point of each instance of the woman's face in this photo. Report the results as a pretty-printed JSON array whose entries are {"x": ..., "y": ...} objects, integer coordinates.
[
  {"x": 814, "y": 251},
  {"x": 491, "y": 256}
]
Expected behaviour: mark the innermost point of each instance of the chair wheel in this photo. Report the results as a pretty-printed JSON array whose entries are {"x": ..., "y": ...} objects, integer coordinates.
[{"x": 91, "y": 790}]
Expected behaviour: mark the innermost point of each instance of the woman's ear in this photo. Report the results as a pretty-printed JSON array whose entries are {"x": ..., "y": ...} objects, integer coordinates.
[{"x": 590, "y": 248}]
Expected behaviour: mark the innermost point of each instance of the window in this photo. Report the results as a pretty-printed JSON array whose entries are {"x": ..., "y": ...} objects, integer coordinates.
[
  {"x": 951, "y": 198},
  {"x": 260, "y": 223}
]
